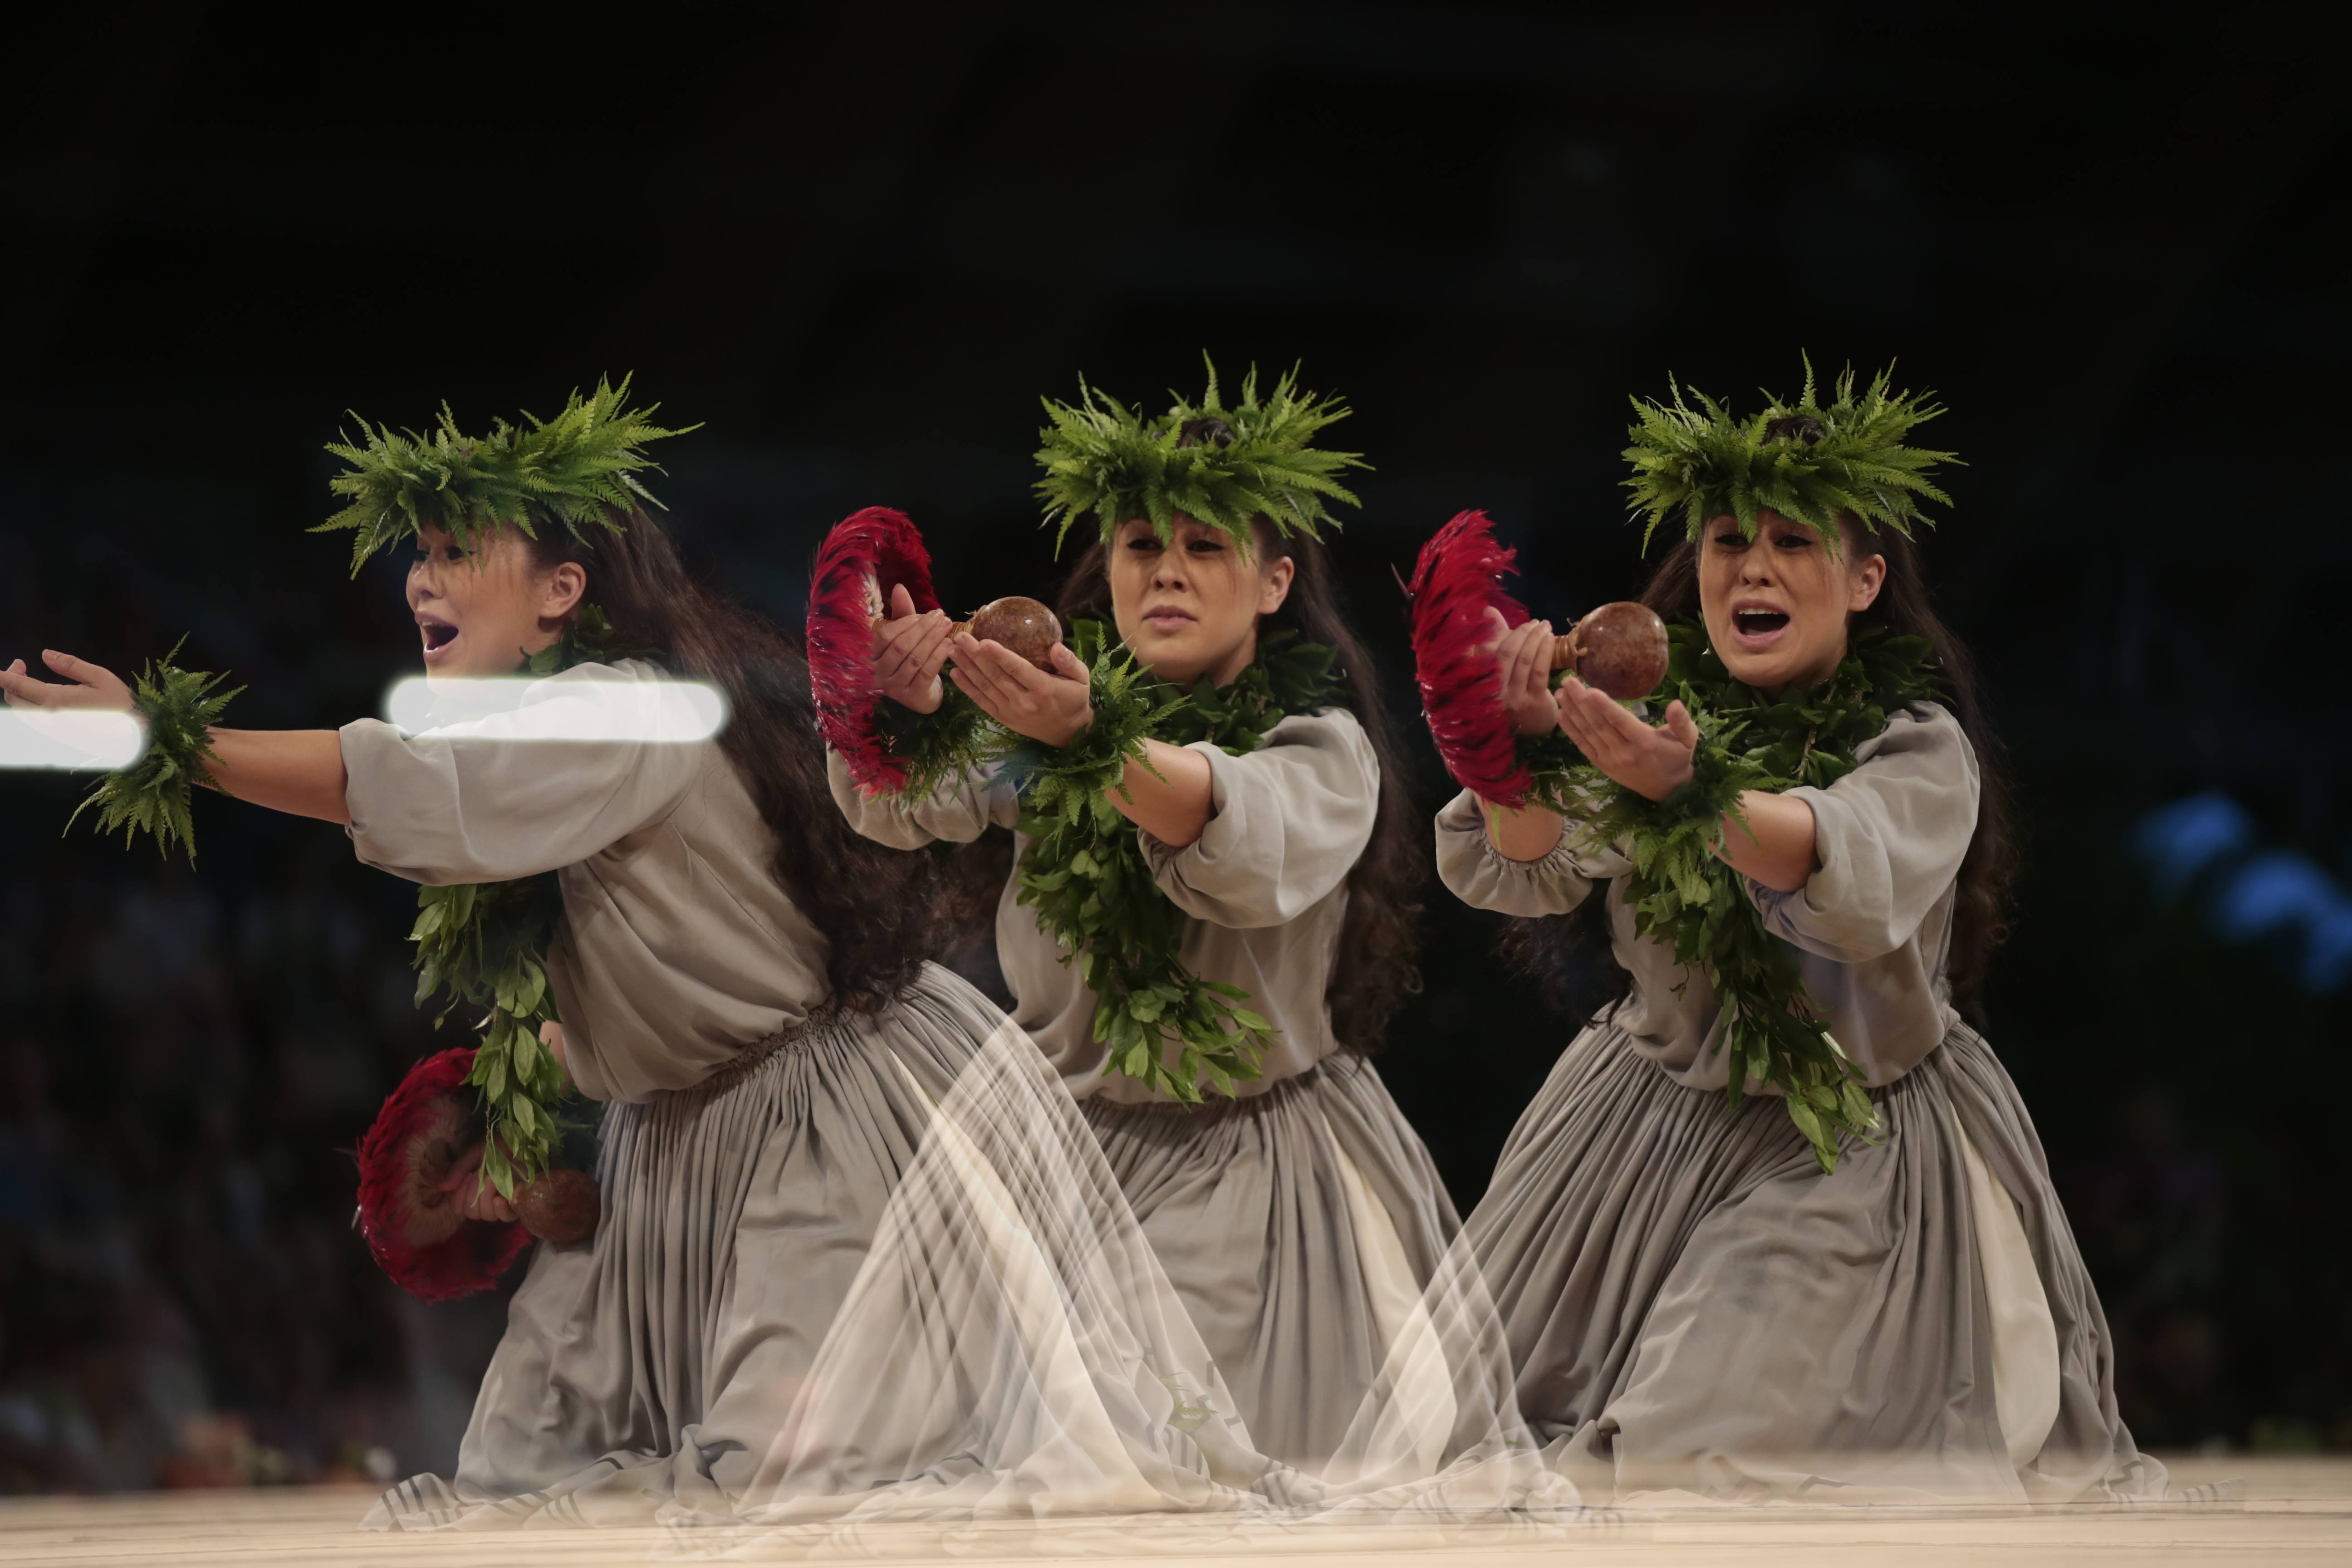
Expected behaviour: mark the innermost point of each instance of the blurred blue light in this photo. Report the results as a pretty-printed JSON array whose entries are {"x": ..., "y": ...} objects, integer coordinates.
[
  {"x": 2327, "y": 950},
  {"x": 2273, "y": 890},
  {"x": 2185, "y": 837},
  {"x": 2209, "y": 839}
]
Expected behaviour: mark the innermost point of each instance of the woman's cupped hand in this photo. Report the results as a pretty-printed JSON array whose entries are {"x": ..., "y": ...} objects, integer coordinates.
[{"x": 1053, "y": 707}]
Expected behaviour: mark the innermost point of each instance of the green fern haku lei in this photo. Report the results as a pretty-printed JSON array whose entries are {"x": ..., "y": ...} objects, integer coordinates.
[
  {"x": 1086, "y": 876},
  {"x": 1813, "y": 462},
  {"x": 1681, "y": 892},
  {"x": 579, "y": 469},
  {"x": 1222, "y": 466}
]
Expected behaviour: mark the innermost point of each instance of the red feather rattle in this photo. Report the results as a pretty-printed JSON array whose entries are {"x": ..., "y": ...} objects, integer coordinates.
[
  {"x": 866, "y": 555},
  {"x": 414, "y": 1227},
  {"x": 1619, "y": 648}
]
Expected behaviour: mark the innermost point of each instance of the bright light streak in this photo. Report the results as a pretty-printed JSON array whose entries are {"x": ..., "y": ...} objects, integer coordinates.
[
  {"x": 73, "y": 738},
  {"x": 521, "y": 708}
]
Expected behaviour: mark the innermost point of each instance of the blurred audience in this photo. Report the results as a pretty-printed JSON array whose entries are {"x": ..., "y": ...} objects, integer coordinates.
[{"x": 184, "y": 1064}]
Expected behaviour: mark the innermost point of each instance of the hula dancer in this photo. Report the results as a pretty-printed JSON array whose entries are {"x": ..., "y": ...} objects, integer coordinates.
[
  {"x": 1778, "y": 1219},
  {"x": 798, "y": 1111},
  {"x": 1209, "y": 919}
]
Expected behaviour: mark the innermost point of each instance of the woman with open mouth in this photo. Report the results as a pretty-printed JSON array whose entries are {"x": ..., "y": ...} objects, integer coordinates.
[
  {"x": 1778, "y": 1219},
  {"x": 1209, "y": 923},
  {"x": 848, "y": 1250}
]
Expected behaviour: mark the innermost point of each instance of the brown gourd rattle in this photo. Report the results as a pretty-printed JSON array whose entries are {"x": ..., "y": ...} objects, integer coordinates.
[
  {"x": 1020, "y": 626},
  {"x": 1619, "y": 649}
]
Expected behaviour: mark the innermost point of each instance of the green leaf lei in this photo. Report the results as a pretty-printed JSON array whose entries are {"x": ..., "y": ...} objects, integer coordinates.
[
  {"x": 1085, "y": 873},
  {"x": 151, "y": 794},
  {"x": 1684, "y": 894},
  {"x": 485, "y": 945}
]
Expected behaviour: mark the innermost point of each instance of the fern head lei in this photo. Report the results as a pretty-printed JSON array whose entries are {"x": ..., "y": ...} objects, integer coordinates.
[
  {"x": 577, "y": 471},
  {"x": 1811, "y": 461},
  {"x": 1222, "y": 464}
]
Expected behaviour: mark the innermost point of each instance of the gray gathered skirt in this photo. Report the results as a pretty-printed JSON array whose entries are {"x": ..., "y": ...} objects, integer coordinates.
[
  {"x": 1300, "y": 1229},
  {"x": 1691, "y": 1304},
  {"x": 655, "y": 1362}
]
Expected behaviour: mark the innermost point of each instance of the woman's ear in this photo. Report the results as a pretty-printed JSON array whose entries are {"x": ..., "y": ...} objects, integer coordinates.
[
  {"x": 1868, "y": 576},
  {"x": 1274, "y": 584},
  {"x": 561, "y": 589}
]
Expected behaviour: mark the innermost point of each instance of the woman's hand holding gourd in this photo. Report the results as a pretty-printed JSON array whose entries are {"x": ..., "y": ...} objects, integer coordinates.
[
  {"x": 1523, "y": 658},
  {"x": 909, "y": 649},
  {"x": 474, "y": 1197},
  {"x": 1653, "y": 762}
]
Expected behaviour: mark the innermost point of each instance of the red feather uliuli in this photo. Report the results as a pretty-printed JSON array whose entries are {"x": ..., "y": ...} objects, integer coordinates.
[
  {"x": 1458, "y": 579},
  {"x": 867, "y": 554},
  {"x": 430, "y": 1103}
]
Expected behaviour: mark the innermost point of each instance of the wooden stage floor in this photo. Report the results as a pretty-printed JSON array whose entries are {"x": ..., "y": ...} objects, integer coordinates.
[{"x": 2294, "y": 1511}]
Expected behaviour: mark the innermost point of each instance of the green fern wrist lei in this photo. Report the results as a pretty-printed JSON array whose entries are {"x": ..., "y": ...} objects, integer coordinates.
[
  {"x": 1683, "y": 894},
  {"x": 938, "y": 746},
  {"x": 151, "y": 794},
  {"x": 1086, "y": 875}
]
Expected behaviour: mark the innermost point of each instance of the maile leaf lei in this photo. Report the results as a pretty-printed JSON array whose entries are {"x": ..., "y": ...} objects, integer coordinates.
[
  {"x": 1086, "y": 876},
  {"x": 485, "y": 945},
  {"x": 1684, "y": 894}
]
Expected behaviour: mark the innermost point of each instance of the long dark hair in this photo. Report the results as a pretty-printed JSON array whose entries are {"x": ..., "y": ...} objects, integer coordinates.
[
  {"x": 870, "y": 902},
  {"x": 1380, "y": 938},
  {"x": 1981, "y": 900}
]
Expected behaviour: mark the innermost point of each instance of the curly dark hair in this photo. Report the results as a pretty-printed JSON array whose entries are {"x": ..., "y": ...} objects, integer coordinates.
[
  {"x": 871, "y": 902},
  {"x": 1380, "y": 939},
  {"x": 1548, "y": 949}
]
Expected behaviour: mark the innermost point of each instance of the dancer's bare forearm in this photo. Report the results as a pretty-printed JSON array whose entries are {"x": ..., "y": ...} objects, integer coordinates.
[{"x": 299, "y": 772}]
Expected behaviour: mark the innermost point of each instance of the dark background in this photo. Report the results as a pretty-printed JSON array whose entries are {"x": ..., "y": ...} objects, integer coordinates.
[{"x": 859, "y": 242}]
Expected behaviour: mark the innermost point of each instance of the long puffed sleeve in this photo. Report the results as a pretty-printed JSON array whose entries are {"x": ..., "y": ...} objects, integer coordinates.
[
  {"x": 1888, "y": 839},
  {"x": 495, "y": 798},
  {"x": 1289, "y": 823},
  {"x": 959, "y": 812},
  {"x": 1485, "y": 879}
]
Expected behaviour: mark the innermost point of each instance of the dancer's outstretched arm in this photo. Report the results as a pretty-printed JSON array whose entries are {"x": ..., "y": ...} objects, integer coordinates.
[{"x": 299, "y": 772}]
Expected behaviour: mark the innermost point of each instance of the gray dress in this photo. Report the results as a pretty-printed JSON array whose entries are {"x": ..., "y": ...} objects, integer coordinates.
[
  {"x": 1690, "y": 1302},
  {"x": 755, "y": 1144},
  {"x": 1301, "y": 1220}
]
